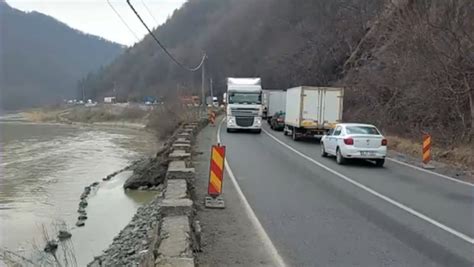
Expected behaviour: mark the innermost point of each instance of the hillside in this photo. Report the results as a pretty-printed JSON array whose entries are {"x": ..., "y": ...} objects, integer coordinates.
[
  {"x": 42, "y": 59},
  {"x": 407, "y": 65}
]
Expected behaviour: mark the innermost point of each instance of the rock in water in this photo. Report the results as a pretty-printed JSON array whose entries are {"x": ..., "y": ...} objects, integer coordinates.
[
  {"x": 83, "y": 204},
  {"x": 82, "y": 217},
  {"x": 51, "y": 247},
  {"x": 80, "y": 223},
  {"x": 63, "y": 235}
]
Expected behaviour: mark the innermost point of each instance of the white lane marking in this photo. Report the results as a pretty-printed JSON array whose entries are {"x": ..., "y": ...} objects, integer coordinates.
[
  {"x": 278, "y": 260},
  {"x": 379, "y": 195},
  {"x": 431, "y": 172}
]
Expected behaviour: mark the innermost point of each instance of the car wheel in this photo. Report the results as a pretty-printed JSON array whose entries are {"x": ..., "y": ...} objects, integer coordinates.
[
  {"x": 379, "y": 162},
  {"x": 293, "y": 135},
  {"x": 339, "y": 157},
  {"x": 323, "y": 151}
]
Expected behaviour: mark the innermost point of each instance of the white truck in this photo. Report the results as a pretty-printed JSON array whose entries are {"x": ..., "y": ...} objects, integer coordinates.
[
  {"x": 276, "y": 102},
  {"x": 244, "y": 104},
  {"x": 312, "y": 111}
]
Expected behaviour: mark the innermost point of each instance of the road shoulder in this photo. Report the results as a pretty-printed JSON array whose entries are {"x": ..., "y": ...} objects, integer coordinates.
[{"x": 228, "y": 236}]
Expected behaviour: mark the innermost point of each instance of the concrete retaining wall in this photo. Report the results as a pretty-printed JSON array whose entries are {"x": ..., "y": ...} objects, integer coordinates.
[
  {"x": 177, "y": 235},
  {"x": 169, "y": 237}
]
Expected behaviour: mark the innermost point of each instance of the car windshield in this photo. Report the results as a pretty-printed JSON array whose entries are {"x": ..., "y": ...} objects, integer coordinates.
[
  {"x": 245, "y": 98},
  {"x": 362, "y": 130}
]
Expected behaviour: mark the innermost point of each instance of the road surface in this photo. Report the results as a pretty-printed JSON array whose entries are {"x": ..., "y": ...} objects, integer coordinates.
[{"x": 317, "y": 213}]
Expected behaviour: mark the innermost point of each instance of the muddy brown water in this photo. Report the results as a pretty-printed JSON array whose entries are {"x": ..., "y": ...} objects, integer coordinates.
[{"x": 43, "y": 171}]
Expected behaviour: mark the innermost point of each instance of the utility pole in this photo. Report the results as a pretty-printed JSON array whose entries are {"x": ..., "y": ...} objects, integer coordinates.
[
  {"x": 212, "y": 91},
  {"x": 203, "y": 81},
  {"x": 83, "y": 94}
]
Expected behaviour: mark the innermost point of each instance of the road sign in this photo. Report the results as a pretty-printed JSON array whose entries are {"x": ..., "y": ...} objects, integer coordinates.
[
  {"x": 216, "y": 176},
  {"x": 427, "y": 151},
  {"x": 216, "y": 171},
  {"x": 212, "y": 117}
]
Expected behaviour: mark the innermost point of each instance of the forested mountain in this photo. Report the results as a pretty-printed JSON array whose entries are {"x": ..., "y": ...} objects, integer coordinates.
[
  {"x": 42, "y": 59},
  {"x": 407, "y": 65}
]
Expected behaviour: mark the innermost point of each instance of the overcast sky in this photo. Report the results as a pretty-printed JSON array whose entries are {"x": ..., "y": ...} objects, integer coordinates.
[{"x": 98, "y": 18}]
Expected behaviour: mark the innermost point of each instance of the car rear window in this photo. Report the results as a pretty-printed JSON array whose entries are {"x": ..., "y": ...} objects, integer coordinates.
[{"x": 362, "y": 130}]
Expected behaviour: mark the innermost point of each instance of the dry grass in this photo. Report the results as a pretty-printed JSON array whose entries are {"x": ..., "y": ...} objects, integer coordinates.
[
  {"x": 165, "y": 120},
  {"x": 461, "y": 156},
  {"x": 41, "y": 115}
]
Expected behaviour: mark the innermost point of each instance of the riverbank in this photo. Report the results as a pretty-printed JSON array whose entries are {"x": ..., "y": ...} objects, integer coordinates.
[
  {"x": 161, "y": 119},
  {"x": 163, "y": 232},
  {"x": 45, "y": 169},
  {"x": 117, "y": 115},
  {"x": 97, "y": 190}
]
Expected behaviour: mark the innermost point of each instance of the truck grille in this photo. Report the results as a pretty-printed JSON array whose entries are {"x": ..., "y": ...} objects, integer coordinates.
[
  {"x": 244, "y": 112},
  {"x": 244, "y": 121}
]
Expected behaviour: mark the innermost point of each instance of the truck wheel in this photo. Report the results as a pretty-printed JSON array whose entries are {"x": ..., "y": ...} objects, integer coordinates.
[
  {"x": 229, "y": 130},
  {"x": 379, "y": 162},
  {"x": 324, "y": 154},
  {"x": 258, "y": 131},
  {"x": 339, "y": 157},
  {"x": 293, "y": 135}
]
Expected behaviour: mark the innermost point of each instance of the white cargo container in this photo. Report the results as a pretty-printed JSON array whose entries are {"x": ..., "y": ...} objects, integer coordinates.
[
  {"x": 312, "y": 111},
  {"x": 276, "y": 102}
]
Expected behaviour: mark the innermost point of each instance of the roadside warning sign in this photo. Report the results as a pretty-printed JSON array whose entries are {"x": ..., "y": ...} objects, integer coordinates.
[
  {"x": 216, "y": 176},
  {"x": 216, "y": 172}
]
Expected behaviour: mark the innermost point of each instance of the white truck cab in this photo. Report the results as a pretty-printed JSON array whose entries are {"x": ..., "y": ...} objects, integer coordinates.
[{"x": 244, "y": 104}]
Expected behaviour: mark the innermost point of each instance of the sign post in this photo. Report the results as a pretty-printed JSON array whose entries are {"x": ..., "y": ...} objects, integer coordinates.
[
  {"x": 216, "y": 176},
  {"x": 427, "y": 151}
]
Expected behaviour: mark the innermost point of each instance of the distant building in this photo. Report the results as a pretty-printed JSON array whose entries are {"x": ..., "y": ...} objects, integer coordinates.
[{"x": 110, "y": 99}]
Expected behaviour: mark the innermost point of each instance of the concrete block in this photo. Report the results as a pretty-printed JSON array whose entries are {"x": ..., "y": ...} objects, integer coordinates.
[
  {"x": 184, "y": 135},
  {"x": 214, "y": 203},
  {"x": 176, "y": 207},
  {"x": 179, "y": 154},
  {"x": 175, "y": 262},
  {"x": 175, "y": 238},
  {"x": 177, "y": 170},
  {"x": 182, "y": 140},
  {"x": 185, "y": 147},
  {"x": 176, "y": 165},
  {"x": 176, "y": 189}
]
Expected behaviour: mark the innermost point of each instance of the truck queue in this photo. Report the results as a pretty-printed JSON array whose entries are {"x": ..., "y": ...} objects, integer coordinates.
[{"x": 303, "y": 112}]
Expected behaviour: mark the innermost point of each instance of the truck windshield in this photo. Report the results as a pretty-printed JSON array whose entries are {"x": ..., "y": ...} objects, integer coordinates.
[{"x": 245, "y": 98}]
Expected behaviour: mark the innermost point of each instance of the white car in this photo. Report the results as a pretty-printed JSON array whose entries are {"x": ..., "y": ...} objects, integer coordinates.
[{"x": 357, "y": 141}]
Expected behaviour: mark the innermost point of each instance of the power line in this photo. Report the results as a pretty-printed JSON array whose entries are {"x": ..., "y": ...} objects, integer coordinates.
[
  {"x": 149, "y": 12},
  {"x": 123, "y": 21},
  {"x": 163, "y": 47}
]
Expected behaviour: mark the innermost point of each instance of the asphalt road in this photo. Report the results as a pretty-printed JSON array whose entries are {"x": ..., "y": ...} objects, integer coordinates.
[{"x": 317, "y": 213}]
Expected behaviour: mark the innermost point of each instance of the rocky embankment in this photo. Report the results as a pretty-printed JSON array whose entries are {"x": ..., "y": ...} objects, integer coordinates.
[{"x": 162, "y": 232}]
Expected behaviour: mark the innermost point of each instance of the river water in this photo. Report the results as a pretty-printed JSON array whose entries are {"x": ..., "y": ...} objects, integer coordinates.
[{"x": 43, "y": 171}]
